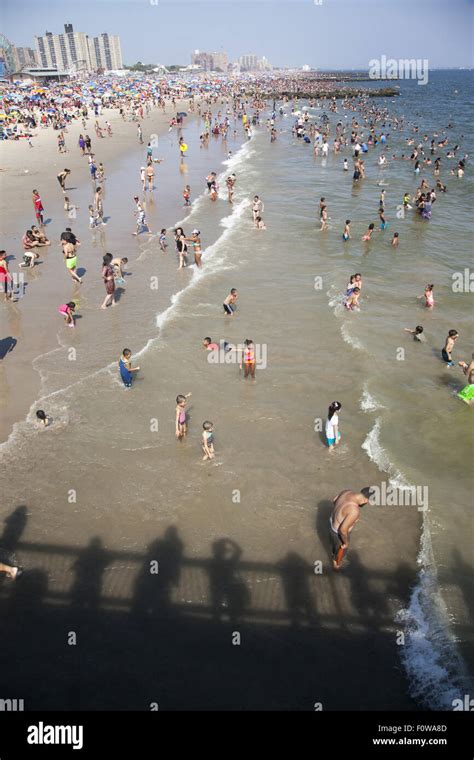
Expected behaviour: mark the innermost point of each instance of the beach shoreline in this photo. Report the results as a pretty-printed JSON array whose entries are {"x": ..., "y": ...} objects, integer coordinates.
[
  {"x": 32, "y": 320},
  {"x": 137, "y": 493}
]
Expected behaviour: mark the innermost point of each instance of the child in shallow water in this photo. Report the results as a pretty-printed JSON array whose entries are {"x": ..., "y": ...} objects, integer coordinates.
[
  {"x": 208, "y": 440},
  {"x": 369, "y": 233},
  {"x": 43, "y": 420},
  {"x": 181, "y": 419},
  {"x": 352, "y": 300},
  {"x": 67, "y": 311}
]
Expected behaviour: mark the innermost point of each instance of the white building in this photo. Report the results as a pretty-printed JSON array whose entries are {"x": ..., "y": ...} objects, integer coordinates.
[
  {"x": 105, "y": 52},
  {"x": 248, "y": 62},
  {"x": 76, "y": 51}
]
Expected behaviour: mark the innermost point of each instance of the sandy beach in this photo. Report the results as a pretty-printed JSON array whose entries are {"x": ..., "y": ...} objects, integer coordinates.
[
  {"x": 32, "y": 322},
  {"x": 242, "y": 541}
]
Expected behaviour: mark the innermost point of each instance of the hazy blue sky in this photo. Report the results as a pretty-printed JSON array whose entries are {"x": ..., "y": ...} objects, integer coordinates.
[{"x": 335, "y": 34}]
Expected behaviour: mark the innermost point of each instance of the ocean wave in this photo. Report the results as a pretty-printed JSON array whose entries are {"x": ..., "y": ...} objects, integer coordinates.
[
  {"x": 436, "y": 672},
  {"x": 379, "y": 455},
  {"x": 367, "y": 402},
  {"x": 354, "y": 342},
  {"x": 22, "y": 430},
  {"x": 430, "y": 657}
]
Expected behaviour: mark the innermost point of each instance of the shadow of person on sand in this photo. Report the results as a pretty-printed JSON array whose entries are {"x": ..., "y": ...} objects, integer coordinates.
[
  {"x": 296, "y": 574},
  {"x": 371, "y": 604},
  {"x": 7, "y": 345},
  {"x": 229, "y": 593},
  {"x": 89, "y": 568},
  {"x": 161, "y": 571}
]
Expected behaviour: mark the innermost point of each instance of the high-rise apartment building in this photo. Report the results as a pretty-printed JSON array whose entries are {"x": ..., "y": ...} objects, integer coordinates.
[
  {"x": 210, "y": 61},
  {"x": 220, "y": 61},
  {"x": 248, "y": 62},
  {"x": 76, "y": 51},
  {"x": 105, "y": 52},
  {"x": 23, "y": 56}
]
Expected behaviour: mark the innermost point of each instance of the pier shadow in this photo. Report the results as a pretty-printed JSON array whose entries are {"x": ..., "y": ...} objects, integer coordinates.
[{"x": 99, "y": 628}]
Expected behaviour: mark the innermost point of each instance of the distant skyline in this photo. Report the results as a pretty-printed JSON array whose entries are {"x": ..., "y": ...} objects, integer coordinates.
[{"x": 336, "y": 34}]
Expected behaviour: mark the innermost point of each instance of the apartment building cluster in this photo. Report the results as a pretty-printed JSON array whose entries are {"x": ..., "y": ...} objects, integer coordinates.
[
  {"x": 77, "y": 52},
  {"x": 220, "y": 62}
]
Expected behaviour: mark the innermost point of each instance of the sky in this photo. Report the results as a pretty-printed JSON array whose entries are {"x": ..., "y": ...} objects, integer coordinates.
[{"x": 325, "y": 34}]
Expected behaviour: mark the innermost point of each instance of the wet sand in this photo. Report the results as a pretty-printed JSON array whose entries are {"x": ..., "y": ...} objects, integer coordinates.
[{"x": 306, "y": 636}]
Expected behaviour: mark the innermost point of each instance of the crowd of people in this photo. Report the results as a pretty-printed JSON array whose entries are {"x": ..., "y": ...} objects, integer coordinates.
[{"x": 369, "y": 128}]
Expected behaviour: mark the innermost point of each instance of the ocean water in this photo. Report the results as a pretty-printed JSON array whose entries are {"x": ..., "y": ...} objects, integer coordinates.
[{"x": 401, "y": 420}]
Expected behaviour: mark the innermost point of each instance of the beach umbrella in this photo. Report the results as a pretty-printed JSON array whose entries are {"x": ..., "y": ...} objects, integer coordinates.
[{"x": 182, "y": 113}]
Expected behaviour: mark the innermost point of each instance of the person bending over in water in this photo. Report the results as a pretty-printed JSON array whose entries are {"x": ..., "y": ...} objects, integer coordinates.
[
  {"x": 369, "y": 233},
  {"x": 67, "y": 311},
  {"x": 345, "y": 514}
]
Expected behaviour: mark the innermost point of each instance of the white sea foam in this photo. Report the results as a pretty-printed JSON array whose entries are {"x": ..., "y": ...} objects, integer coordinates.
[
  {"x": 430, "y": 657},
  {"x": 378, "y": 454},
  {"x": 368, "y": 403},
  {"x": 374, "y": 448},
  {"x": 435, "y": 670},
  {"x": 354, "y": 342},
  {"x": 214, "y": 262}
]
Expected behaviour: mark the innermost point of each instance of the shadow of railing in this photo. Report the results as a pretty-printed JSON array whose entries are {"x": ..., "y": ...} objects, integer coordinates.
[
  {"x": 279, "y": 592},
  {"x": 97, "y": 628}
]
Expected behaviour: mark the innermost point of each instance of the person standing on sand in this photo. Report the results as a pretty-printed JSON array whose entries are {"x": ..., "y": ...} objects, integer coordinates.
[
  {"x": 109, "y": 281},
  {"x": 141, "y": 217},
  {"x": 38, "y": 205},
  {"x": 150, "y": 176},
  {"x": 5, "y": 276},
  {"x": 343, "y": 517},
  {"x": 70, "y": 259},
  {"x": 99, "y": 207}
]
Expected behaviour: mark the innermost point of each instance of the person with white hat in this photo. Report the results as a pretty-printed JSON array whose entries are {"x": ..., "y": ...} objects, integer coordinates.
[{"x": 195, "y": 240}]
